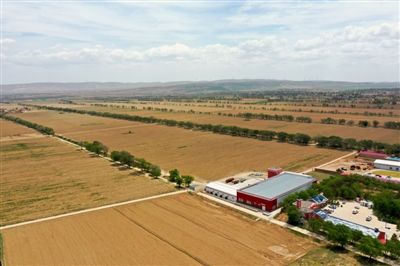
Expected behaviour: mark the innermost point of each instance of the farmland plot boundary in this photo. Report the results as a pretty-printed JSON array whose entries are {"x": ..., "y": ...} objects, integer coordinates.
[
  {"x": 162, "y": 239},
  {"x": 298, "y": 138}
]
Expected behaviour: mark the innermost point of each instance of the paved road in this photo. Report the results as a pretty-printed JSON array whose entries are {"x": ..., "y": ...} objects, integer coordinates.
[{"x": 91, "y": 210}]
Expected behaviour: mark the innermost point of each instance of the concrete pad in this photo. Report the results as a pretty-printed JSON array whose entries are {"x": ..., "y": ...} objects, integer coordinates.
[{"x": 346, "y": 213}]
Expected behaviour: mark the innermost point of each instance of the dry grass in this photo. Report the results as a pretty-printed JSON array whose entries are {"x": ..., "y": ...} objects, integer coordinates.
[
  {"x": 175, "y": 230},
  {"x": 44, "y": 177}
]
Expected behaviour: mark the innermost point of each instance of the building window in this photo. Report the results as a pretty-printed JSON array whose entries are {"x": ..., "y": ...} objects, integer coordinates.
[
  {"x": 248, "y": 202},
  {"x": 390, "y": 168},
  {"x": 240, "y": 199}
]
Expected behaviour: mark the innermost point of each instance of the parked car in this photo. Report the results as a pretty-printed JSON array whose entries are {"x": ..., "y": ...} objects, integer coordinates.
[
  {"x": 356, "y": 207},
  {"x": 344, "y": 202},
  {"x": 369, "y": 218},
  {"x": 267, "y": 213},
  {"x": 355, "y": 211},
  {"x": 242, "y": 180},
  {"x": 343, "y": 168}
]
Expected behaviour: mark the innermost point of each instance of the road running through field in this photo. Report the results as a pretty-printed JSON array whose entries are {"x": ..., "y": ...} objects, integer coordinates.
[{"x": 91, "y": 210}]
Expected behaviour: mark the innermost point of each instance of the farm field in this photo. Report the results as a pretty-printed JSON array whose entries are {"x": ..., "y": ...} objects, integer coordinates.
[
  {"x": 205, "y": 155},
  {"x": 44, "y": 177},
  {"x": 174, "y": 230},
  {"x": 379, "y": 134},
  {"x": 10, "y": 130}
]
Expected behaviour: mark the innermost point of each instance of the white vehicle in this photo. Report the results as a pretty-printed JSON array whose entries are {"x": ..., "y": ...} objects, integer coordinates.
[
  {"x": 355, "y": 211},
  {"x": 369, "y": 218}
]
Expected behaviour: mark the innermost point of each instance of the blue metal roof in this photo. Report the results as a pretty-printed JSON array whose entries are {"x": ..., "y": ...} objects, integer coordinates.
[
  {"x": 321, "y": 214},
  {"x": 319, "y": 199},
  {"x": 281, "y": 184}
]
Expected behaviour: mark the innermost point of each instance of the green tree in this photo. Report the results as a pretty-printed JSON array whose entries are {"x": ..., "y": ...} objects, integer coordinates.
[
  {"x": 370, "y": 246},
  {"x": 173, "y": 174},
  {"x": 187, "y": 179},
  {"x": 289, "y": 200},
  {"x": 293, "y": 215},
  {"x": 363, "y": 123},
  {"x": 375, "y": 123},
  {"x": 126, "y": 158},
  {"x": 339, "y": 234},
  {"x": 155, "y": 170},
  {"x": 315, "y": 224},
  {"x": 393, "y": 248},
  {"x": 356, "y": 235},
  {"x": 115, "y": 156},
  {"x": 179, "y": 180}
]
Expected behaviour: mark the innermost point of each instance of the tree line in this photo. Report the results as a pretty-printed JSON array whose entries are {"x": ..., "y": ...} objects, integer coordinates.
[
  {"x": 37, "y": 127},
  {"x": 298, "y": 138},
  {"x": 342, "y": 235}
]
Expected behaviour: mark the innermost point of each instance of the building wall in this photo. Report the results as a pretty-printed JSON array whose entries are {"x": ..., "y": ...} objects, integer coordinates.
[
  {"x": 220, "y": 194},
  {"x": 257, "y": 202},
  {"x": 386, "y": 167}
]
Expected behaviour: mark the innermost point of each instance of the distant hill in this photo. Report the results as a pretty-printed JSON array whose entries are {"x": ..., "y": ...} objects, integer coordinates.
[{"x": 186, "y": 87}]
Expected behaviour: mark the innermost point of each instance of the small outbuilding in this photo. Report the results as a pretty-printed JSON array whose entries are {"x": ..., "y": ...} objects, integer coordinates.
[
  {"x": 387, "y": 165},
  {"x": 371, "y": 155}
]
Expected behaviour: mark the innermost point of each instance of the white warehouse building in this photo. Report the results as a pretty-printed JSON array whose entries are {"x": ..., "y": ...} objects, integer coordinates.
[
  {"x": 387, "y": 165},
  {"x": 222, "y": 190}
]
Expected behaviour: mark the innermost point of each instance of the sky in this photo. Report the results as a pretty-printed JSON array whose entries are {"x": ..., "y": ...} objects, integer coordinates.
[{"x": 160, "y": 41}]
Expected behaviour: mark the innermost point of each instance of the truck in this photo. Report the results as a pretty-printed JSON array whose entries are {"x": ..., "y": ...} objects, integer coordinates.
[{"x": 229, "y": 180}]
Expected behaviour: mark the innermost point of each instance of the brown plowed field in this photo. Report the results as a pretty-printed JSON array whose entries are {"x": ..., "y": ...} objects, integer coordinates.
[
  {"x": 44, "y": 177},
  {"x": 175, "y": 230}
]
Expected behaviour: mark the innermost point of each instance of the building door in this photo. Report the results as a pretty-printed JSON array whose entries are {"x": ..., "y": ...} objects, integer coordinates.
[{"x": 263, "y": 207}]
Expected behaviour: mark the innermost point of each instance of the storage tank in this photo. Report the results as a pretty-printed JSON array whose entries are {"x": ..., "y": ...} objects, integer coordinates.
[
  {"x": 273, "y": 171},
  {"x": 298, "y": 203}
]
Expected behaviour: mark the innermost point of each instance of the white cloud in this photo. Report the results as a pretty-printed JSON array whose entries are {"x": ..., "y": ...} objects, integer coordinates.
[
  {"x": 385, "y": 30},
  {"x": 302, "y": 45},
  {"x": 7, "y": 41}
]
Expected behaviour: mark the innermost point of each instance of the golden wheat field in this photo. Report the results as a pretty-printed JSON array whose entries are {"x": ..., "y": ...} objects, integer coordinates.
[
  {"x": 41, "y": 177},
  {"x": 316, "y": 128},
  {"x": 205, "y": 155},
  {"x": 174, "y": 230}
]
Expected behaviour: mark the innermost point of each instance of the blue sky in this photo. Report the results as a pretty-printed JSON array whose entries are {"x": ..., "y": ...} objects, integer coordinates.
[{"x": 141, "y": 41}]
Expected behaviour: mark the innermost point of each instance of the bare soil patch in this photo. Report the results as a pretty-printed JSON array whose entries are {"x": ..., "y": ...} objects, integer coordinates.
[{"x": 175, "y": 230}]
